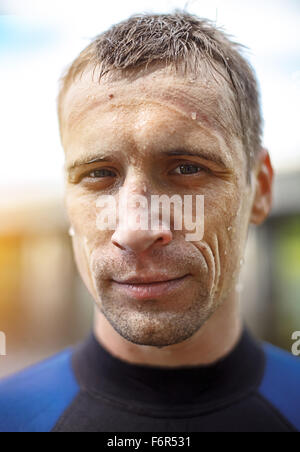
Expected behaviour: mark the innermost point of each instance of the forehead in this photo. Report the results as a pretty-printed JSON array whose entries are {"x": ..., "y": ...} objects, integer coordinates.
[
  {"x": 122, "y": 109},
  {"x": 202, "y": 100}
]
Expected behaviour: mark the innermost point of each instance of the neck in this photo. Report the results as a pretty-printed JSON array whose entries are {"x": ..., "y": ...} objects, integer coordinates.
[{"x": 215, "y": 339}]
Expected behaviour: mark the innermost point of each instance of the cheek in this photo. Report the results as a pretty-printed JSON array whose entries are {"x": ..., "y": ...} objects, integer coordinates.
[
  {"x": 225, "y": 233},
  {"x": 83, "y": 264},
  {"x": 82, "y": 212},
  {"x": 221, "y": 212}
]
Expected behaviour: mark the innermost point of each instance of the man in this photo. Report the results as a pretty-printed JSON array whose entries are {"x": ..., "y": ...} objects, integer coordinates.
[{"x": 161, "y": 105}]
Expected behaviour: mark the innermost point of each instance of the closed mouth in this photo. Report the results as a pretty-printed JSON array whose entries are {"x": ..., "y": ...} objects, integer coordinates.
[
  {"x": 149, "y": 280},
  {"x": 150, "y": 290}
]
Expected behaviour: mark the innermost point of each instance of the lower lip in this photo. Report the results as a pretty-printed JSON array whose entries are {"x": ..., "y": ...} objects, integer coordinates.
[{"x": 153, "y": 290}]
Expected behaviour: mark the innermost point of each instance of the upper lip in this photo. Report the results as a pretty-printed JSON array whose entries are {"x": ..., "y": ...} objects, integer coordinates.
[{"x": 148, "y": 279}]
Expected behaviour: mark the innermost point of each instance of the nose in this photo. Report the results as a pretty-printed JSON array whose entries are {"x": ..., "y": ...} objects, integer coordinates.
[{"x": 139, "y": 241}]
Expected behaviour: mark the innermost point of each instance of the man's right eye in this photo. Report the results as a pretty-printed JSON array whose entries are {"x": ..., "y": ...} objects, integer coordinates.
[{"x": 101, "y": 173}]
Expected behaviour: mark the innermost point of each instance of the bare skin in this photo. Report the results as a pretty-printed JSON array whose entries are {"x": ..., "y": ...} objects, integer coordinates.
[{"x": 133, "y": 123}]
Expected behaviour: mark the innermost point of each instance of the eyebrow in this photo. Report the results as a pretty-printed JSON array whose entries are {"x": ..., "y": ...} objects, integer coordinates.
[
  {"x": 206, "y": 155},
  {"x": 212, "y": 156},
  {"x": 88, "y": 160}
]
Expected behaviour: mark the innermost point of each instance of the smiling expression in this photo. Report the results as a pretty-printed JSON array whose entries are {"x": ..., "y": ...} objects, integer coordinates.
[{"x": 141, "y": 135}]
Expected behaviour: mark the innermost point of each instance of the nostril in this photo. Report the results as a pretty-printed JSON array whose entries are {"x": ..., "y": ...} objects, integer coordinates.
[
  {"x": 118, "y": 245},
  {"x": 160, "y": 242},
  {"x": 164, "y": 240}
]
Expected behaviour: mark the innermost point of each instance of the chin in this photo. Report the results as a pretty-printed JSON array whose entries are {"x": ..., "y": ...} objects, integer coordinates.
[{"x": 157, "y": 329}]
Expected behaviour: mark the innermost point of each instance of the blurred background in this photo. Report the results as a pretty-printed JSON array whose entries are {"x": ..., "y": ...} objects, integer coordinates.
[{"x": 44, "y": 307}]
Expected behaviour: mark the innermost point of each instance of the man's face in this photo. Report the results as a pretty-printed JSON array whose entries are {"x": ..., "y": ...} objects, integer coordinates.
[{"x": 136, "y": 124}]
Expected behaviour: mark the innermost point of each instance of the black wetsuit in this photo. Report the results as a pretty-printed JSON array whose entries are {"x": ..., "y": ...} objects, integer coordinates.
[{"x": 85, "y": 389}]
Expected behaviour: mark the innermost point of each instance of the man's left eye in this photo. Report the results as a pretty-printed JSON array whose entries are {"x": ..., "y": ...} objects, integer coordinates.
[{"x": 188, "y": 169}]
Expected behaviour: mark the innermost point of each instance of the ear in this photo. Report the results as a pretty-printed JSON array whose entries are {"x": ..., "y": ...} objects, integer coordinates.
[{"x": 263, "y": 180}]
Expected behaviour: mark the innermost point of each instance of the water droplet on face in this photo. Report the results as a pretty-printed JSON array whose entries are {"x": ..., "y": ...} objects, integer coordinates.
[
  {"x": 144, "y": 189},
  {"x": 239, "y": 288},
  {"x": 194, "y": 116},
  {"x": 242, "y": 261},
  {"x": 86, "y": 247},
  {"x": 230, "y": 228},
  {"x": 225, "y": 253},
  {"x": 206, "y": 83}
]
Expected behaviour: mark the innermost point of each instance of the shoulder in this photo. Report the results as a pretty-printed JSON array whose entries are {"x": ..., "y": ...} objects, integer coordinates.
[
  {"x": 281, "y": 382},
  {"x": 33, "y": 399}
]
